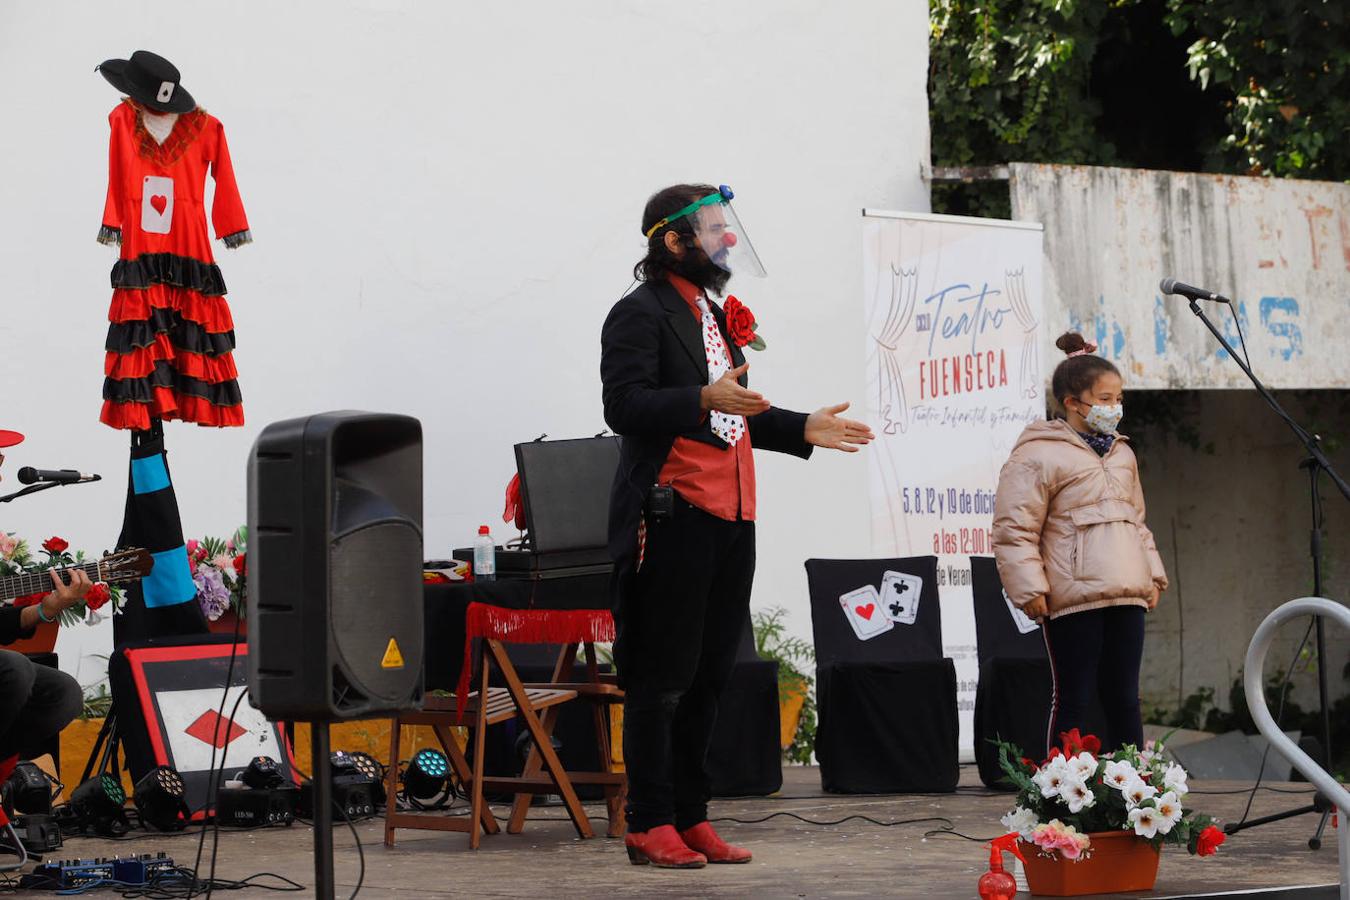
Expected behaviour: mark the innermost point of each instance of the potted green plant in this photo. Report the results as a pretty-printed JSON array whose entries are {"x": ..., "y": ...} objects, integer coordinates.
[{"x": 796, "y": 700}]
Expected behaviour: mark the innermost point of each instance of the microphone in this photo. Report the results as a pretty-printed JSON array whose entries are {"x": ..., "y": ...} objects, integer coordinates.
[
  {"x": 30, "y": 475},
  {"x": 1172, "y": 286}
]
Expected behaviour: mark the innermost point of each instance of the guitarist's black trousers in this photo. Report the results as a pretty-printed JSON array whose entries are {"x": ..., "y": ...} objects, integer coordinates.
[{"x": 36, "y": 702}]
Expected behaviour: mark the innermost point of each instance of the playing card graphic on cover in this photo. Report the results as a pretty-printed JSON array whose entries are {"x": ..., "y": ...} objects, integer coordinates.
[
  {"x": 862, "y": 608},
  {"x": 900, "y": 597}
]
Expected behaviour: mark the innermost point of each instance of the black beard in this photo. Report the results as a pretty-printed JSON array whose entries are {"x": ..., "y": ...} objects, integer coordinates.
[{"x": 702, "y": 271}]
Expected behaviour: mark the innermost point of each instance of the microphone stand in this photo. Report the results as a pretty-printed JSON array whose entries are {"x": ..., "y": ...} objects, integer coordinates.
[{"x": 1316, "y": 463}]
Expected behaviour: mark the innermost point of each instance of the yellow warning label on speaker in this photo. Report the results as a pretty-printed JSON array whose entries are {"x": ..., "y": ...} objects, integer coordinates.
[{"x": 393, "y": 659}]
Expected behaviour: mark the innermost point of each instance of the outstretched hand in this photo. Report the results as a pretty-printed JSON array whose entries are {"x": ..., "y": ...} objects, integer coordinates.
[{"x": 824, "y": 428}]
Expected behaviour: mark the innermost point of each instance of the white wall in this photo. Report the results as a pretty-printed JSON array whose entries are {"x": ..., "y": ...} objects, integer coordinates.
[{"x": 445, "y": 198}]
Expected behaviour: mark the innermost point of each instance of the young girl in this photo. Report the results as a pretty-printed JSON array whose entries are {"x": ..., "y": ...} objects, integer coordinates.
[{"x": 1073, "y": 550}]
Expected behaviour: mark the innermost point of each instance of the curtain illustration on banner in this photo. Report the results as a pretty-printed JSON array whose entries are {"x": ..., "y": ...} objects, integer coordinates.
[
  {"x": 1029, "y": 369},
  {"x": 890, "y": 384}
]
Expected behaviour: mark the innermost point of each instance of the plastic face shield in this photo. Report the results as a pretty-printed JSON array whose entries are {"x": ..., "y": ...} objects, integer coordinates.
[{"x": 719, "y": 232}]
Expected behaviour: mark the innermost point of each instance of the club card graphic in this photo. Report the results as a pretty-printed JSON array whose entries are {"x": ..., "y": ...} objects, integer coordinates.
[
  {"x": 900, "y": 597},
  {"x": 1025, "y": 624},
  {"x": 862, "y": 608},
  {"x": 157, "y": 204}
]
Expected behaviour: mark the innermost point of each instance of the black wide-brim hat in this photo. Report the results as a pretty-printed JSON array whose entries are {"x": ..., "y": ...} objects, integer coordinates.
[{"x": 150, "y": 80}]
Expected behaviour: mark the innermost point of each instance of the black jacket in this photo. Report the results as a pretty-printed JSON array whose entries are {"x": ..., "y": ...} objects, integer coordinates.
[{"x": 652, "y": 367}]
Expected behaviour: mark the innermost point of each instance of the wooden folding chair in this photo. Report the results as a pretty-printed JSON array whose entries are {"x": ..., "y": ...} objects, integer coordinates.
[
  {"x": 601, "y": 692},
  {"x": 500, "y": 705}
]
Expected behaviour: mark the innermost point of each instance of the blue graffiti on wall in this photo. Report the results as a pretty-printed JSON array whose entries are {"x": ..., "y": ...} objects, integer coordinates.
[{"x": 1279, "y": 317}]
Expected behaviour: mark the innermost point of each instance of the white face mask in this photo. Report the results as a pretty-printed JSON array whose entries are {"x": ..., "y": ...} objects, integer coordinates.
[{"x": 1105, "y": 419}]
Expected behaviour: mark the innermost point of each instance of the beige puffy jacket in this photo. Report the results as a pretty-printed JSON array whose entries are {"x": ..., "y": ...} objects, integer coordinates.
[{"x": 1069, "y": 524}]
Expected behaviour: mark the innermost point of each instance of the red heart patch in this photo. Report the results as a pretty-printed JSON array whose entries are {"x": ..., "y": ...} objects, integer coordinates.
[
  {"x": 159, "y": 202},
  {"x": 865, "y": 611}
]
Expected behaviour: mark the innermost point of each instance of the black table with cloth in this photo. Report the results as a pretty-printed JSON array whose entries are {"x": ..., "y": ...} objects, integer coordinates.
[{"x": 748, "y": 716}]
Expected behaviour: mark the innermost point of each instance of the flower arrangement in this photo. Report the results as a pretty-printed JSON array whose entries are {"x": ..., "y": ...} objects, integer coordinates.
[
  {"x": 1079, "y": 790},
  {"x": 16, "y": 558},
  {"x": 220, "y": 571}
]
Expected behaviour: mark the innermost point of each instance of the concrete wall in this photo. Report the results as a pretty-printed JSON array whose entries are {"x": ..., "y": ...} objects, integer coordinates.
[
  {"x": 1279, "y": 247},
  {"x": 446, "y": 199},
  {"x": 1232, "y": 528}
]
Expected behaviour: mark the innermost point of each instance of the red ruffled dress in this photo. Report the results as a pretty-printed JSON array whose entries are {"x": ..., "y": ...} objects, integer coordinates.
[{"x": 171, "y": 337}]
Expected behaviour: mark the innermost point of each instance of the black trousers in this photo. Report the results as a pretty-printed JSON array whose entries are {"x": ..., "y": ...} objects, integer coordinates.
[
  {"x": 1095, "y": 655},
  {"x": 36, "y": 702},
  {"x": 677, "y": 638}
]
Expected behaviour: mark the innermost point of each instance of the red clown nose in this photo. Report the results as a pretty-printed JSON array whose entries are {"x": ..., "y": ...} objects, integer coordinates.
[{"x": 729, "y": 239}]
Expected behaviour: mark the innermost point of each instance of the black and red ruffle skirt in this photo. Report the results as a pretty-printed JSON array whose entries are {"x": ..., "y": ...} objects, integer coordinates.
[{"x": 170, "y": 347}]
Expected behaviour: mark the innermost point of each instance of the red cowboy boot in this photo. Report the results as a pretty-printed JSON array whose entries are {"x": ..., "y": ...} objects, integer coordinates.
[
  {"x": 6, "y": 770},
  {"x": 661, "y": 847},
  {"x": 705, "y": 840}
]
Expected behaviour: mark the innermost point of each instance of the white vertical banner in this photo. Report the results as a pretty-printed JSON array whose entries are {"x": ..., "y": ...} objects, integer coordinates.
[{"x": 954, "y": 373}]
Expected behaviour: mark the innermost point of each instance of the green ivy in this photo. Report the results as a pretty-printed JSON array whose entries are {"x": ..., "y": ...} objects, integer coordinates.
[{"x": 1287, "y": 66}]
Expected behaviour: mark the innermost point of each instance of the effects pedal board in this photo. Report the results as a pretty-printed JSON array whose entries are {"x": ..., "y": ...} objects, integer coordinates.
[{"x": 65, "y": 874}]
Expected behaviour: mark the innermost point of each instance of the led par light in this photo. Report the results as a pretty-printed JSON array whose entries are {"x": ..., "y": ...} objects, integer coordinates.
[
  {"x": 427, "y": 774},
  {"x": 100, "y": 799},
  {"x": 370, "y": 767},
  {"x": 160, "y": 798}
]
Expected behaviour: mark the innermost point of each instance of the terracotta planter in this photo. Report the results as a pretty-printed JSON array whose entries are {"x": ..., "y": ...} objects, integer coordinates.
[
  {"x": 1120, "y": 861},
  {"x": 225, "y": 624},
  {"x": 42, "y": 641},
  {"x": 789, "y": 716}
]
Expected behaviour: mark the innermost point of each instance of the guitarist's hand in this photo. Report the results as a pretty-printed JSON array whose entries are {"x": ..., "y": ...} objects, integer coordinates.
[{"x": 65, "y": 595}]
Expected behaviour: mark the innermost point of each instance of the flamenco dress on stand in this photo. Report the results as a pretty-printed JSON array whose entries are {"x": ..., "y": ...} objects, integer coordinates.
[{"x": 171, "y": 336}]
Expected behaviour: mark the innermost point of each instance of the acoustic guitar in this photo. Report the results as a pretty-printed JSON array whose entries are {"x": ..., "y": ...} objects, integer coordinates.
[{"x": 115, "y": 568}]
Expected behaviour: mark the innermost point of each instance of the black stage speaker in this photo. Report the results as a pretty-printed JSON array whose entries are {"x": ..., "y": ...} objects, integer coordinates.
[{"x": 335, "y": 567}]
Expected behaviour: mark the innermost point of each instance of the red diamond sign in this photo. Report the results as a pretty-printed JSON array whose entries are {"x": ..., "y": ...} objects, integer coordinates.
[{"x": 210, "y": 728}]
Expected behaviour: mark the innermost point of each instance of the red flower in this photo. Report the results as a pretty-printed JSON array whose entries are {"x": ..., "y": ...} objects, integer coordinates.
[
  {"x": 55, "y": 545},
  {"x": 1029, "y": 764},
  {"x": 29, "y": 600},
  {"x": 241, "y": 565},
  {"x": 1209, "y": 841},
  {"x": 97, "y": 596},
  {"x": 1075, "y": 743},
  {"x": 740, "y": 322}
]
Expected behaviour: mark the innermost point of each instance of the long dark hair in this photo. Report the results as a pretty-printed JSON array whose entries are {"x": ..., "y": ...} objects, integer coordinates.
[
  {"x": 667, "y": 201},
  {"x": 1079, "y": 372}
]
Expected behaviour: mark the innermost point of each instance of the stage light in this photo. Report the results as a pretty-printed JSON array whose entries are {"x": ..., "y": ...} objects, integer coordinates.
[
  {"x": 28, "y": 791},
  {"x": 370, "y": 767},
  {"x": 427, "y": 775},
  {"x": 262, "y": 773},
  {"x": 160, "y": 799},
  {"x": 99, "y": 800}
]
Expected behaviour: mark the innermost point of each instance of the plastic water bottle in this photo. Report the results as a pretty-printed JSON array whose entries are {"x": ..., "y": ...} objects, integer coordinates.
[{"x": 484, "y": 556}]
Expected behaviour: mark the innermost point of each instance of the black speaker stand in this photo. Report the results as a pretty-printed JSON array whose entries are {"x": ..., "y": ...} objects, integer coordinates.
[
  {"x": 322, "y": 780},
  {"x": 1316, "y": 463}
]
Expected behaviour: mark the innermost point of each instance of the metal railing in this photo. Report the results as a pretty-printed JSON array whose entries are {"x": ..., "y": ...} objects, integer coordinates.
[{"x": 1254, "y": 681}]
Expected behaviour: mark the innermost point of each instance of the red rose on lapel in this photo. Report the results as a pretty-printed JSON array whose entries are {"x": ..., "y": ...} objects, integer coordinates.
[{"x": 741, "y": 325}]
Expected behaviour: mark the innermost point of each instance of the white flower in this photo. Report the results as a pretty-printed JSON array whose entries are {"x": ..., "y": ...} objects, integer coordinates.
[
  {"x": 1020, "y": 820},
  {"x": 1174, "y": 779},
  {"x": 1082, "y": 766},
  {"x": 1120, "y": 774},
  {"x": 1169, "y": 811},
  {"x": 1050, "y": 777},
  {"x": 1145, "y": 821},
  {"x": 1076, "y": 793},
  {"x": 1137, "y": 791}
]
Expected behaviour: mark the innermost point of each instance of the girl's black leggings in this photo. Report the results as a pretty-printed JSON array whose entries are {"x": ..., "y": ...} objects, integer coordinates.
[{"x": 1095, "y": 657}]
